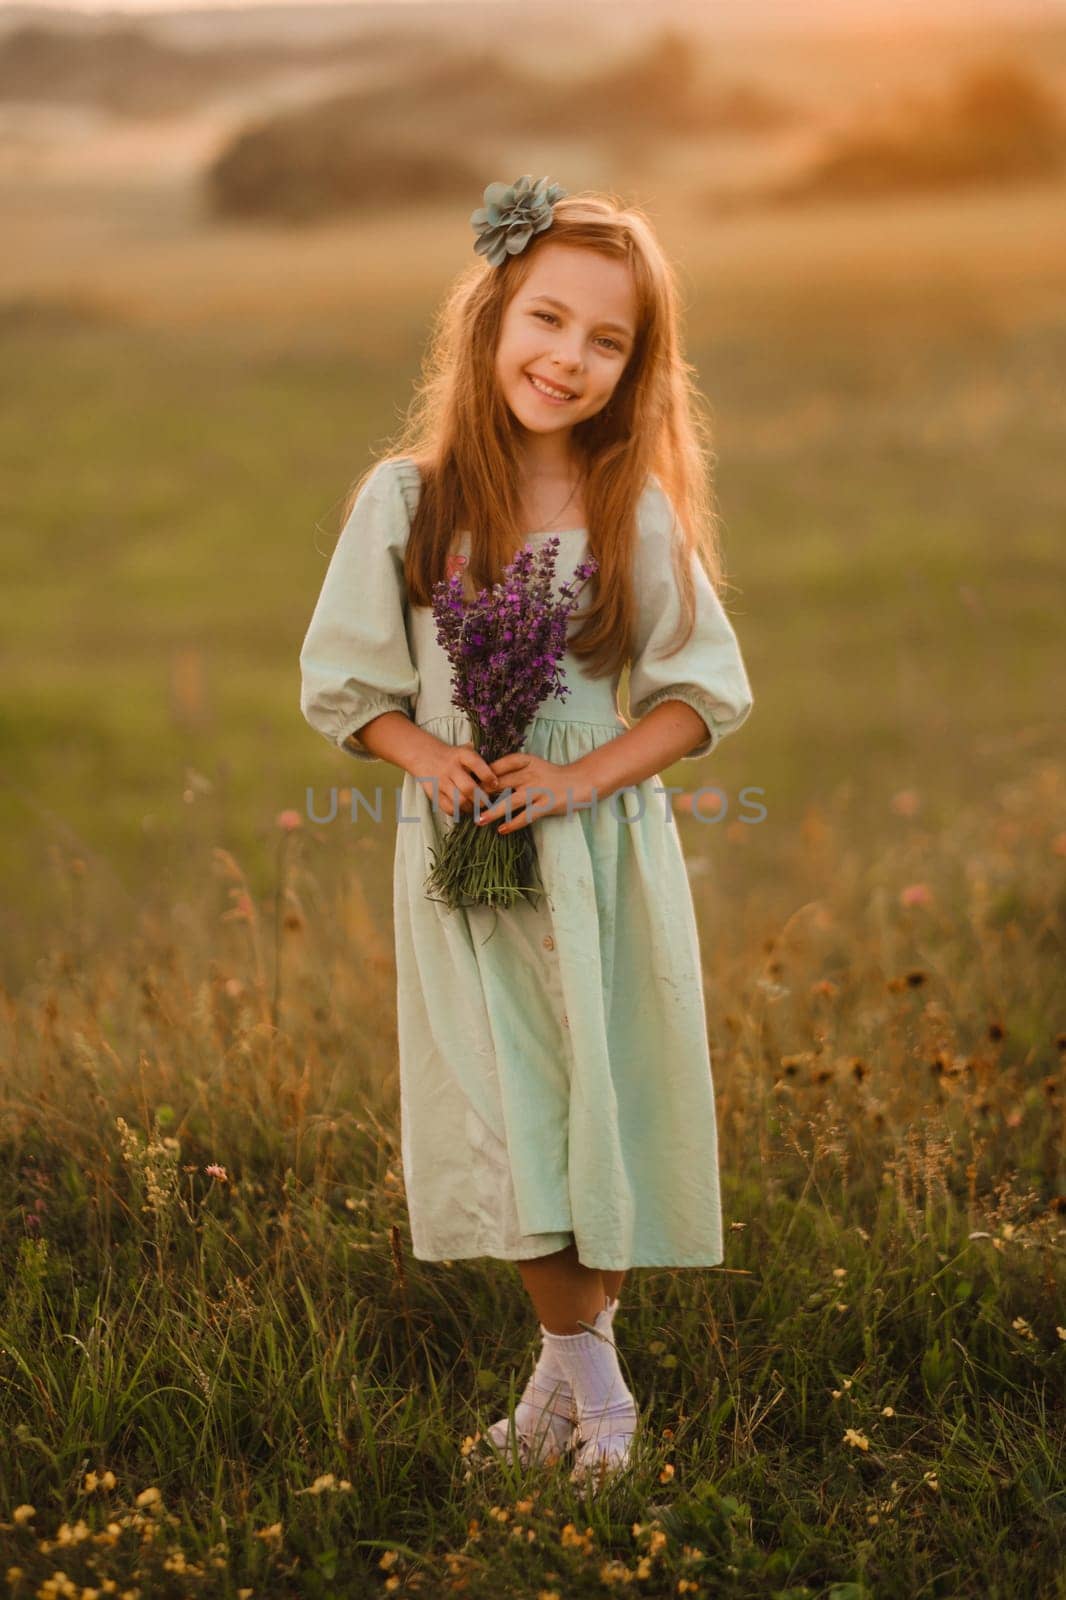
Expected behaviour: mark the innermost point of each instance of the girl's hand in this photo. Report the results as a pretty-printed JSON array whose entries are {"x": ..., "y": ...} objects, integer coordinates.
[
  {"x": 539, "y": 789},
  {"x": 459, "y": 771}
]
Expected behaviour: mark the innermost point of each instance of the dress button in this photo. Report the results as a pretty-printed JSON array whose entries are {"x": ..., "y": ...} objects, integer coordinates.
[
  {"x": 548, "y": 942},
  {"x": 566, "y": 1020}
]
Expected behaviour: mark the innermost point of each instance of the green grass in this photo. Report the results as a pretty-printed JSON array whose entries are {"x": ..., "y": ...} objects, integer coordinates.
[{"x": 889, "y": 1091}]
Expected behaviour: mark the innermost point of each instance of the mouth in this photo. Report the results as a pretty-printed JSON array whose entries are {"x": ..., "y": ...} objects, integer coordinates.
[{"x": 550, "y": 391}]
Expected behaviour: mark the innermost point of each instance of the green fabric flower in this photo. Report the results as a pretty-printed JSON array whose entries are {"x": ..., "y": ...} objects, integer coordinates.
[{"x": 511, "y": 215}]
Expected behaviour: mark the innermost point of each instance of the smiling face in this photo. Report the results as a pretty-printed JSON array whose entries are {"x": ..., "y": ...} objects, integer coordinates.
[{"x": 570, "y": 328}]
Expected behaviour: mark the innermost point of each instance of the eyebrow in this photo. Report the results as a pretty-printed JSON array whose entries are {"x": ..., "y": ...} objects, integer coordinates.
[{"x": 617, "y": 327}]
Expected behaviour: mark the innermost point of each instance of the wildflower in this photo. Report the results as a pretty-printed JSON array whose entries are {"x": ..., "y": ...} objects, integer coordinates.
[
  {"x": 916, "y": 894},
  {"x": 1060, "y": 1331},
  {"x": 1021, "y": 1326},
  {"x": 288, "y": 821},
  {"x": 667, "y": 1473},
  {"x": 388, "y": 1560},
  {"x": 615, "y": 1572},
  {"x": 548, "y": 1594},
  {"x": 23, "y": 1514},
  {"x": 887, "y": 1411},
  {"x": 148, "y": 1497},
  {"x": 932, "y": 1480},
  {"x": 842, "y": 1305},
  {"x": 242, "y": 909},
  {"x": 326, "y": 1480},
  {"x": 103, "y": 1480},
  {"x": 840, "y": 1272},
  {"x": 906, "y": 803},
  {"x": 215, "y": 1171},
  {"x": 468, "y": 1443},
  {"x": 859, "y": 1440}
]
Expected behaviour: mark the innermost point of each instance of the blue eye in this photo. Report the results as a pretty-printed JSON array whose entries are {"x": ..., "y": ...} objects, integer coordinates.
[{"x": 552, "y": 318}]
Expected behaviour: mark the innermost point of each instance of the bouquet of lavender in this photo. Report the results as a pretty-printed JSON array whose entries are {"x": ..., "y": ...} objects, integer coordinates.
[{"x": 504, "y": 646}]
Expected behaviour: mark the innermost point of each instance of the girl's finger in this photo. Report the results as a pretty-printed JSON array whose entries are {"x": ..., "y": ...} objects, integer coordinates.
[
  {"x": 499, "y": 807},
  {"x": 477, "y": 768}
]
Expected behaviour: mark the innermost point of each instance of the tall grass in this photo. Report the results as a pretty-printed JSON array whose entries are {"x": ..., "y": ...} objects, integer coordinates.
[{"x": 209, "y": 1293}]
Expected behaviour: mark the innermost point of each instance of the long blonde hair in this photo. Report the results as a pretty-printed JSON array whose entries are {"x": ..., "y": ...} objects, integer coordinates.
[{"x": 463, "y": 436}]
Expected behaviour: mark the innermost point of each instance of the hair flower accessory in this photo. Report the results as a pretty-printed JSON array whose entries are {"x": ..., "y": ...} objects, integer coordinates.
[{"x": 511, "y": 215}]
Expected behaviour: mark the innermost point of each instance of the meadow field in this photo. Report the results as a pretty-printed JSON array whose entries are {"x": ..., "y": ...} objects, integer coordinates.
[{"x": 222, "y": 1372}]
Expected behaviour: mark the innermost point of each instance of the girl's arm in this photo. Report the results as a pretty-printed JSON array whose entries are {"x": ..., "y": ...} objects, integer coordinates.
[
  {"x": 707, "y": 674},
  {"x": 664, "y": 736},
  {"x": 392, "y": 736},
  {"x": 355, "y": 662}
]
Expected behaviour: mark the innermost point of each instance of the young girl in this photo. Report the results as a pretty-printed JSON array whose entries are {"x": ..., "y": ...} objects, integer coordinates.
[{"x": 556, "y": 1099}]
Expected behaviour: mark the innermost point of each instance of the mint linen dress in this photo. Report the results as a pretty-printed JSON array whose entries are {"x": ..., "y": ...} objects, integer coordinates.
[{"x": 555, "y": 1076}]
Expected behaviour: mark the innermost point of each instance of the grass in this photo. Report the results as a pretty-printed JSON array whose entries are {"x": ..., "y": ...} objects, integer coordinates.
[{"x": 867, "y": 1398}]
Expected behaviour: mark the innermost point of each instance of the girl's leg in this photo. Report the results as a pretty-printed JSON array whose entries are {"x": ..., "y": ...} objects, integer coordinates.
[
  {"x": 565, "y": 1294},
  {"x": 563, "y": 1290},
  {"x": 612, "y": 1283}
]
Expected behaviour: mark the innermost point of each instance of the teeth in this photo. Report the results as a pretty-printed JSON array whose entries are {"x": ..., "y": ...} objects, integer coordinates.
[{"x": 557, "y": 394}]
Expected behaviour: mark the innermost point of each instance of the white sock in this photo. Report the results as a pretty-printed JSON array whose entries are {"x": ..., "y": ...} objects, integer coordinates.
[
  {"x": 546, "y": 1411},
  {"x": 550, "y": 1385},
  {"x": 606, "y": 1410}
]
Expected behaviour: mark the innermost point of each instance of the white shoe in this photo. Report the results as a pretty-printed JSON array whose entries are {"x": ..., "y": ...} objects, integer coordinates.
[
  {"x": 607, "y": 1449},
  {"x": 542, "y": 1426}
]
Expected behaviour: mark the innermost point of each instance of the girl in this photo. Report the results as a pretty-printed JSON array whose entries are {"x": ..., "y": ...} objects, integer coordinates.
[{"x": 556, "y": 1099}]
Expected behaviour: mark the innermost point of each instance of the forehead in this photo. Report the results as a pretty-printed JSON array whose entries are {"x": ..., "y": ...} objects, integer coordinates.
[{"x": 595, "y": 286}]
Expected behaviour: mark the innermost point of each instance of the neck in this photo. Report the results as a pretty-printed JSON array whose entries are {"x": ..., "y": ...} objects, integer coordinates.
[{"x": 549, "y": 456}]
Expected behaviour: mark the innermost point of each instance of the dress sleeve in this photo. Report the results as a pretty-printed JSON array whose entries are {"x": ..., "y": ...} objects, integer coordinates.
[
  {"x": 707, "y": 672},
  {"x": 355, "y": 661}
]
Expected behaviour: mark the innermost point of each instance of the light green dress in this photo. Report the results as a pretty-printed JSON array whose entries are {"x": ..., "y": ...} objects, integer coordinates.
[{"x": 555, "y": 1078}]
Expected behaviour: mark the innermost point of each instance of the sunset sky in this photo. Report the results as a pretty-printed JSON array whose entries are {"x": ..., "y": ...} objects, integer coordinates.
[{"x": 790, "y": 10}]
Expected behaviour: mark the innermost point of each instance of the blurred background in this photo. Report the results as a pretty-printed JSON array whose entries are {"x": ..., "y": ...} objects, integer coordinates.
[{"x": 225, "y": 233}]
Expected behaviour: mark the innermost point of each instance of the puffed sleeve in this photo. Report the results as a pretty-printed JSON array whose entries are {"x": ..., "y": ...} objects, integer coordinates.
[
  {"x": 355, "y": 661},
  {"x": 708, "y": 672}
]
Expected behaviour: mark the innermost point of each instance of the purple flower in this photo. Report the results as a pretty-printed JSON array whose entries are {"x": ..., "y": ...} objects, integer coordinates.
[{"x": 505, "y": 645}]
